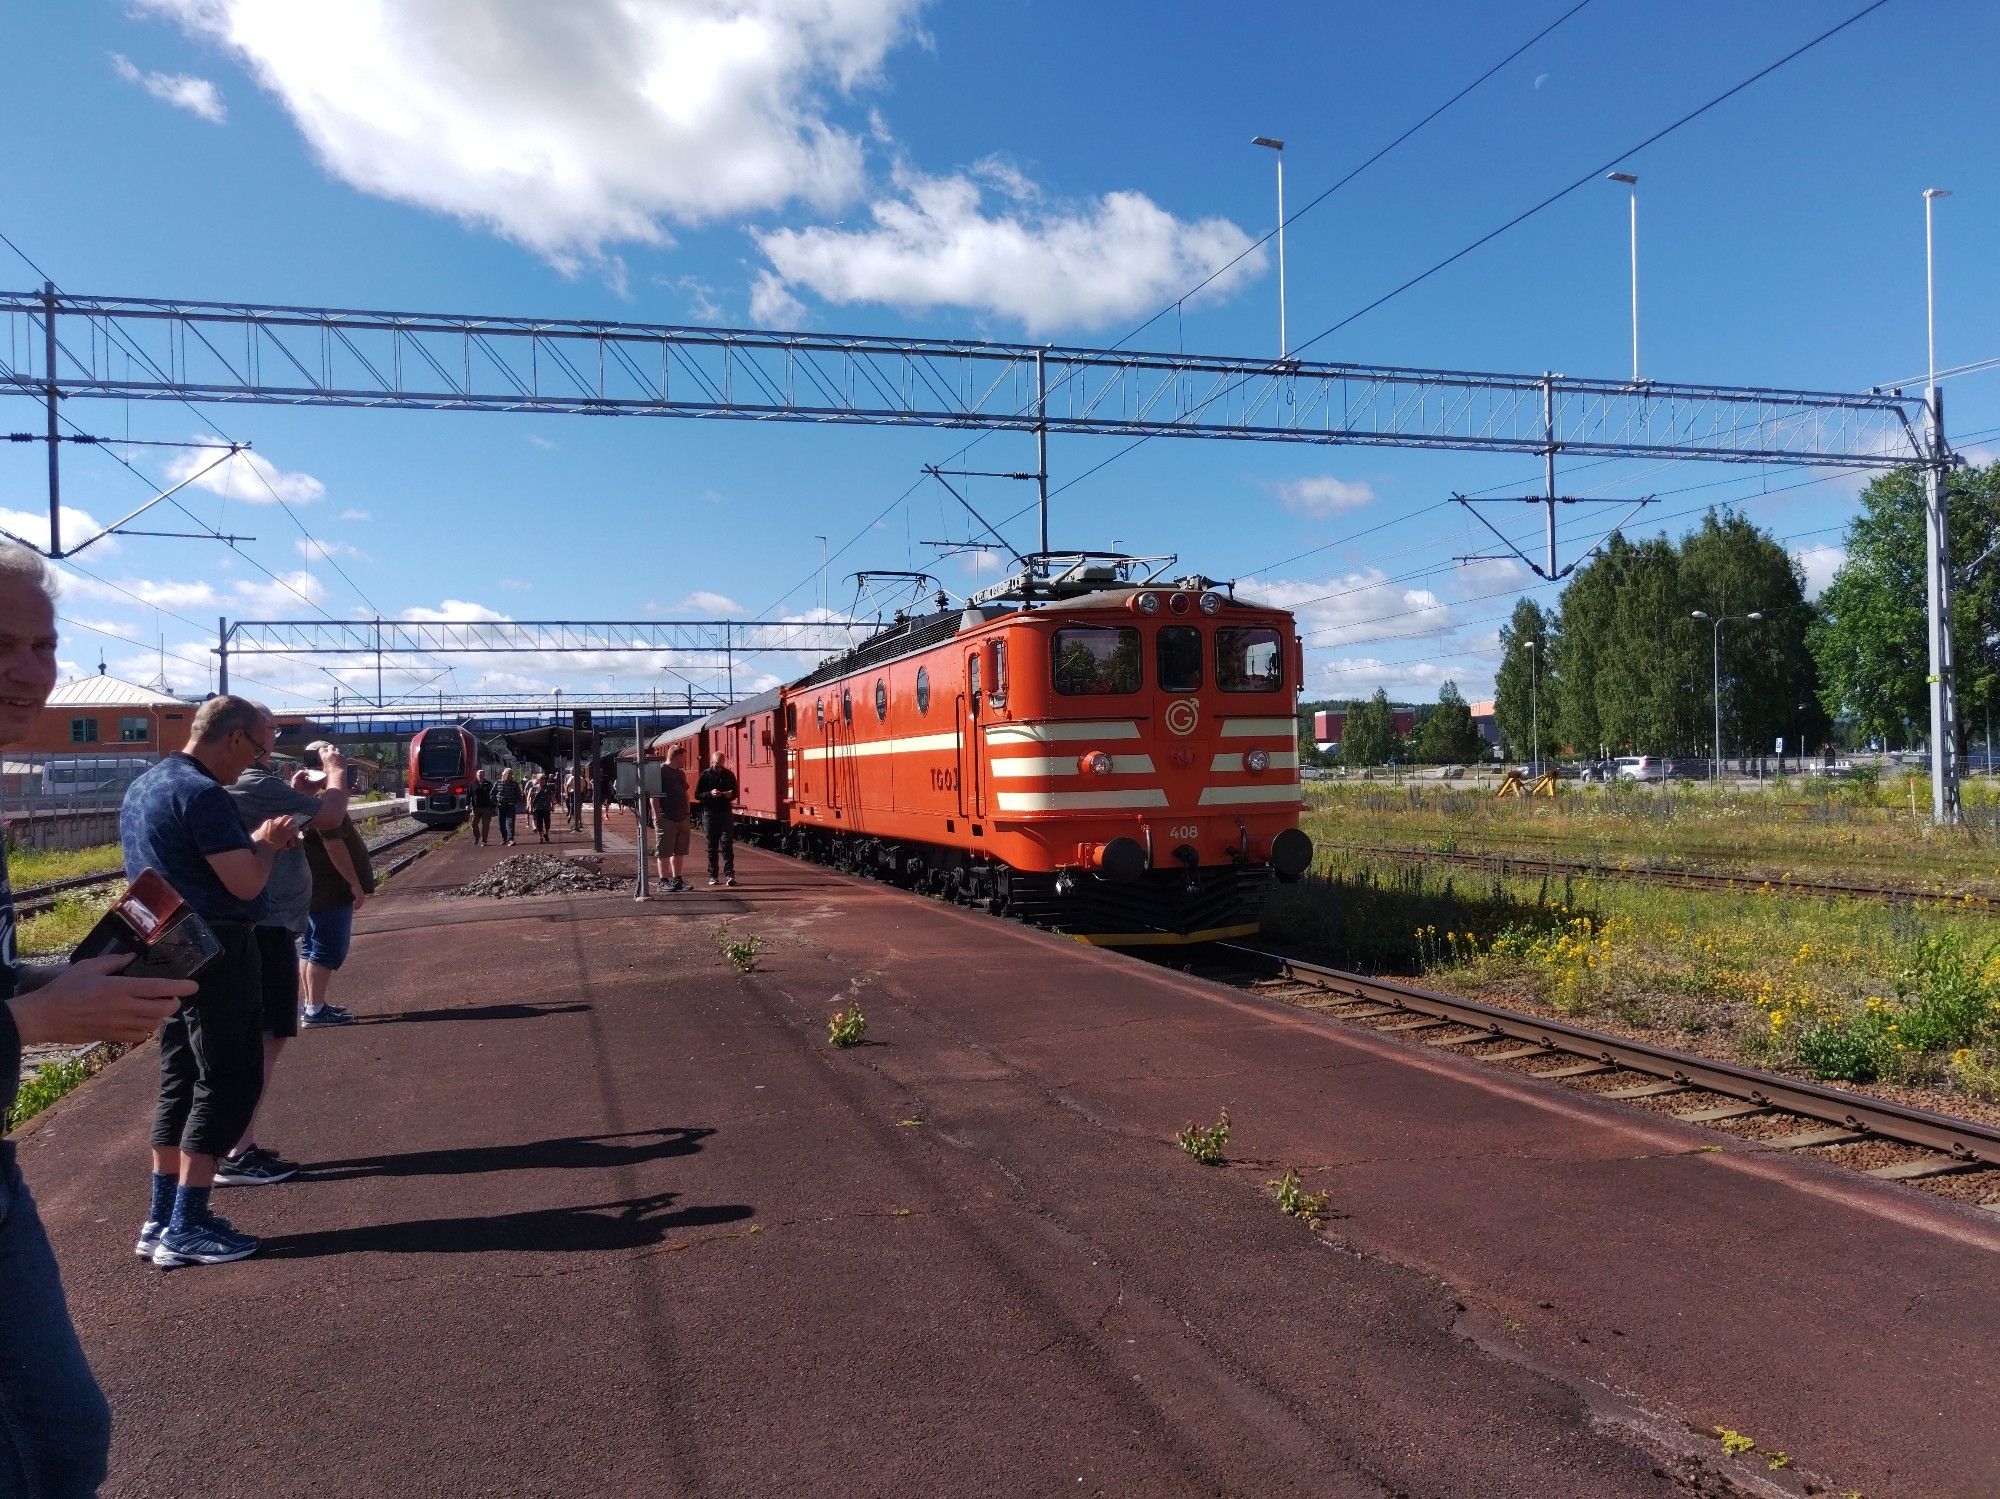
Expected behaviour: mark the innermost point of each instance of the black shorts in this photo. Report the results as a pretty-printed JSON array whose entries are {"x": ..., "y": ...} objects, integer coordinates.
[{"x": 278, "y": 951}]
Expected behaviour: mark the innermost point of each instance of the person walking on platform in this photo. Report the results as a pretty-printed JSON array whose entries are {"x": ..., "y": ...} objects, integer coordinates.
[
  {"x": 481, "y": 801},
  {"x": 179, "y": 819},
  {"x": 542, "y": 803},
  {"x": 716, "y": 792},
  {"x": 342, "y": 879},
  {"x": 55, "y": 1427},
  {"x": 261, "y": 792},
  {"x": 670, "y": 813},
  {"x": 507, "y": 805}
]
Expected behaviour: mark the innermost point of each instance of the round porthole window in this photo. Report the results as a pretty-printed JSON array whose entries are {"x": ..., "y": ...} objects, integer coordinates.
[
  {"x": 923, "y": 689},
  {"x": 847, "y": 706},
  {"x": 881, "y": 700},
  {"x": 819, "y": 711}
]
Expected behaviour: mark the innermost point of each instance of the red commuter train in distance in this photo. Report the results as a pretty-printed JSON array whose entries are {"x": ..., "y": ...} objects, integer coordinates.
[
  {"x": 1117, "y": 759},
  {"x": 442, "y": 760}
]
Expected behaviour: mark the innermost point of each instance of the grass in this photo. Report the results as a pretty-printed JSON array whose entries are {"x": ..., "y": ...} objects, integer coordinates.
[
  {"x": 36, "y": 866},
  {"x": 55, "y": 931},
  {"x": 1295, "y": 1201},
  {"x": 1854, "y": 990},
  {"x": 48, "y": 1084},
  {"x": 1808, "y": 829},
  {"x": 846, "y": 1027},
  {"x": 1205, "y": 1143}
]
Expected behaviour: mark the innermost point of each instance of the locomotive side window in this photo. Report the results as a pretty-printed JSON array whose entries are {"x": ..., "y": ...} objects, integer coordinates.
[
  {"x": 1249, "y": 659},
  {"x": 791, "y": 720},
  {"x": 972, "y": 681},
  {"x": 999, "y": 692},
  {"x": 923, "y": 689},
  {"x": 1180, "y": 658},
  {"x": 847, "y": 706},
  {"x": 1096, "y": 659},
  {"x": 819, "y": 713},
  {"x": 881, "y": 700}
]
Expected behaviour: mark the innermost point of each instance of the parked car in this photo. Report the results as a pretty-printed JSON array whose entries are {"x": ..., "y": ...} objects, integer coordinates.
[{"x": 1640, "y": 768}]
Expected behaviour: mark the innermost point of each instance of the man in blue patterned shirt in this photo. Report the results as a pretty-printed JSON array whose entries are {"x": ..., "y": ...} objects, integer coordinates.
[{"x": 55, "y": 1429}]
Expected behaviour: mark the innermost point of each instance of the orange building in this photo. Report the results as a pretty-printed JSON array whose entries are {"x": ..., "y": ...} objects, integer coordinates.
[{"x": 103, "y": 715}]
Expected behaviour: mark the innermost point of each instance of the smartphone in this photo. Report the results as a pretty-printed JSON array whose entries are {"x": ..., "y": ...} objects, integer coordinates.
[{"x": 300, "y": 821}]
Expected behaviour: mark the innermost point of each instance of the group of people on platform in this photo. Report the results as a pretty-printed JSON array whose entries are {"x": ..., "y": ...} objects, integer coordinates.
[
  {"x": 501, "y": 800},
  {"x": 714, "y": 795},
  {"x": 273, "y": 865}
]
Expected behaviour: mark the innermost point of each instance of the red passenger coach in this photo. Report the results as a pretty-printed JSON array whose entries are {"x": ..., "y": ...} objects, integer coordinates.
[{"x": 442, "y": 761}]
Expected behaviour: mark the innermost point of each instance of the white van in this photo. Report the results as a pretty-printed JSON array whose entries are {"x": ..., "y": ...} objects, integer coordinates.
[{"x": 1640, "y": 768}]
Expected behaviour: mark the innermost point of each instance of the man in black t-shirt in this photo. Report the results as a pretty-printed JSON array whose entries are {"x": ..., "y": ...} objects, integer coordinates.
[
  {"x": 670, "y": 816},
  {"x": 715, "y": 792}
]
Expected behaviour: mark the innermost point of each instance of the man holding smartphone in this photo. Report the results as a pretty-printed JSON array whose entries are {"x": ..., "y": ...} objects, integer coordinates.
[
  {"x": 178, "y": 818},
  {"x": 261, "y": 793},
  {"x": 55, "y": 1428}
]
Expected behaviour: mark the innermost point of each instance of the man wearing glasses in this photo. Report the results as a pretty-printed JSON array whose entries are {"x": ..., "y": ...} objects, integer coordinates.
[{"x": 179, "y": 819}]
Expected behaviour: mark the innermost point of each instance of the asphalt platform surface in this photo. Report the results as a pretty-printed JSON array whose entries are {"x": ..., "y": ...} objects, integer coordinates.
[{"x": 588, "y": 1211}]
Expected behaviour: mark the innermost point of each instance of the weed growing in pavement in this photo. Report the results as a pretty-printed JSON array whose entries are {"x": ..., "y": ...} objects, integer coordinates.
[
  {"x": 1205, "y": 1144},
  {"x": 1778, "y": 1460},
  {"x": 1295, "y": 1201},
  {"x": 44, "y": 1088},
  {"x": 1734, "y": 1442},
  {"x": 743, "y": 953},
  {"x": 847, "y": 1027}
]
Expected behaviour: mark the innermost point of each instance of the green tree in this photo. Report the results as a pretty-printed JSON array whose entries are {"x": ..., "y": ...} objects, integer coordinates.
[
  {"x": 1871, "y": 639},
  {"x": 1652, "y": 673},
  {"x": 1369, "y": 735},
  {"x": 1523, "y": 695},
  {"x": 1769, "y": 682},
  {"x": 1447, "y": 735},
  {"x": 1588, "y": 614}
]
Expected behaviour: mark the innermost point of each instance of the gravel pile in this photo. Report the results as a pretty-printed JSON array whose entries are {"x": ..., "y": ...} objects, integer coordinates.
[{"x": 539, "y": 874}]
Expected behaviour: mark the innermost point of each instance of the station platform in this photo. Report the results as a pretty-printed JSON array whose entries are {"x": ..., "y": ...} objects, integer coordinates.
[{"x": 588, "y": 1211}]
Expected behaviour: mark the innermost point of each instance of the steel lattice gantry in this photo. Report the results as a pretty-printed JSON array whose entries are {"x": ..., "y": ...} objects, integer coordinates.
[{"x": 61, "y": 345}]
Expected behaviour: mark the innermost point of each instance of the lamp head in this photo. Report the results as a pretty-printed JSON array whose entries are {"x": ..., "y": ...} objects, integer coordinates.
[
  {"x": 1937, "y": 192},
  {"x": 1754, "y": 614},
  {"x": 1627, "y": 178},
  {"x": 1265, "y": 140},
  {"x": 1699, "y": 614}
]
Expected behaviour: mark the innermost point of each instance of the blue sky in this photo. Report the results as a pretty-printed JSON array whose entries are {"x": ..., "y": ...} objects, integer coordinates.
[{"x": 1007, "y": 170}]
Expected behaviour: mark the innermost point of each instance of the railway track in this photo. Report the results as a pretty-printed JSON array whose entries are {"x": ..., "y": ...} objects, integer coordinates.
[
  {"x": 1717, "y": 1092},
  {"x": 32, "y": 899},
  {"x": 1684, "y": 879}
]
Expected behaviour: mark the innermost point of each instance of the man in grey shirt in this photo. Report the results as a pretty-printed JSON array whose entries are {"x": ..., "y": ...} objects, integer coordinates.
[{"x": 261, "y": 793}]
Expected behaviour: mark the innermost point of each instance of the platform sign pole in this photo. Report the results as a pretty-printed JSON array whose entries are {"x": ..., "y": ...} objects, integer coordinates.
[{"x": 639, "y": 798}]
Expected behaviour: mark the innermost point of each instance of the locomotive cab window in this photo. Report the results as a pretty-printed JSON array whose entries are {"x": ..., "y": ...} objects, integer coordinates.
[
  {"x": 881, "y": 700},
  {"x": 791, "y": 720},
  {"x": 1180, "y": 658},
  {"x": 1092, "y": 659},
  {"x": 847, "y": 706},
  {"x": 998, "y": 693},
  {"x": 1249, "y": 658},
  {"x": 972, "y": 681},
  {"x": 923, "y": 689},
  {"x": 819, "y": 713}
]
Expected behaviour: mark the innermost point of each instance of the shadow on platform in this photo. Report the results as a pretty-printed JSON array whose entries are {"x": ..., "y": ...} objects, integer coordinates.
[
  {"x": 568, "y": 1153},
  {"x": 638, "y": 1223},
  {"x": 473, "y": 1012}
]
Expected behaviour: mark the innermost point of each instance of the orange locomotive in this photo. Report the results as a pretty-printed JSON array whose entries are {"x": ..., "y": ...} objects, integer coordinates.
[{"x": 1114, "y": 758}]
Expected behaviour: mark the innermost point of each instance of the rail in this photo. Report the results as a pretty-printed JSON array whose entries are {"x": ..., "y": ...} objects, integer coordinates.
[{"x": 1962, "y": 1139}]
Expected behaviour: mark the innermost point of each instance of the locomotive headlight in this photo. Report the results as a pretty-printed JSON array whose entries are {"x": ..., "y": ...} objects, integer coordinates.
[
  {"x": 1095, "y": 763},
  {"x": 1211, "y": 603},
  {"x": 1256, "y": 760},
  {"x": 1149, "y": 603},
  {"x": 1178, "y": 603}
]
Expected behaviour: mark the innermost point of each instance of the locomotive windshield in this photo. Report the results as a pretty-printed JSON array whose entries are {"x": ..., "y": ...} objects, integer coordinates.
[
  {"x": 1247, "y": 659},
  {"x": 1095, "y": 659},
  {"x": 440, "y": 755},
  {"x": 1180, "y": 658}
]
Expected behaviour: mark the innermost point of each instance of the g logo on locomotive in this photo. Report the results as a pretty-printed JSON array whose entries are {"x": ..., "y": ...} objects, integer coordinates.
[{"x": 1183, "y": 714}]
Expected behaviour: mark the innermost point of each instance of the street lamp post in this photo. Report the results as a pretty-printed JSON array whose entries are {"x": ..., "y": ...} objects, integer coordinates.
[
  {"x": 1716, "y": 622},
  {"x": 1534, "y": 705},
  {"x": 1277, "y": 147},
  {"x": 1937, "y": 558},
  {"x": 1632, "y": 182}
]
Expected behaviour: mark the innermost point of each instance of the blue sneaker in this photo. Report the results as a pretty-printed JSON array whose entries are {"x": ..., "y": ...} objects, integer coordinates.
[
  {"x": 149, "y": 1236},
  {"x": 212, "y": 1242},
  {"x": 325, "y": 1015}
]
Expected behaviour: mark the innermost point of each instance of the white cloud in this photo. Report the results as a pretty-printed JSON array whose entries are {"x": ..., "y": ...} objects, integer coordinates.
[
  {"x": 1362, "y": 605},
  {"x": 248, "y": 477},
  {"x": 934, "y": 244},
  {"x": 517, "y": 585},
  {"x": 287, "y": 591},
  {"x": 1819, "y": 563},
  {"x": 161, "y": 593},
  {"x": 350, "y": 514},
  {"x": 701, "y": 601},
  {"x": 569, "y": 127},
  {"x": 1404, "y": 681},
  {"x": 455, "y": 610},
  {"x": 772, "y": 305},
  {"x": 310, "y": 547},
  {"x": 32, "y": 526},
  {"x": 1322, "y": 495},
  {"x": 196, "y": 95},
  {"x": 536, "y": 440},
  {"x": 1491, "y": 575},
  {"x": 702, "y": 304}
]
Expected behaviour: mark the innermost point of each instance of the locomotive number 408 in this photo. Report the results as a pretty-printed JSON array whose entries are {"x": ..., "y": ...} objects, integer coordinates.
[{"x": 1186, "y": 830}]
